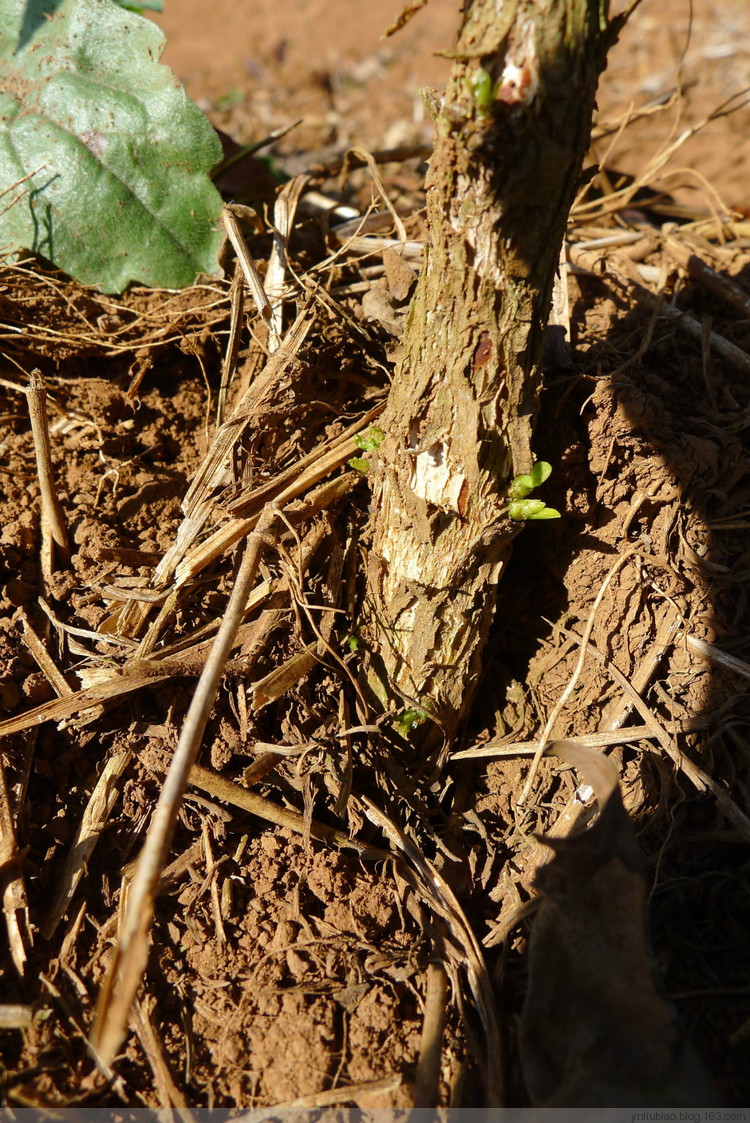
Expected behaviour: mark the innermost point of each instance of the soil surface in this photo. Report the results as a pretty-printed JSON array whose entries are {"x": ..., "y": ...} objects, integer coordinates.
[{"x": 285, "y": 969}]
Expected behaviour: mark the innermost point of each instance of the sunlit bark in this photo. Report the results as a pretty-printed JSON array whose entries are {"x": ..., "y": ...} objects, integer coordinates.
[{"x": 510, "y": 139}]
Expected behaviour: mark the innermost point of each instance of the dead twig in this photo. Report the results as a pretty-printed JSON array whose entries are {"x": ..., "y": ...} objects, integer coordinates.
[
  {"x": 620, "y": 272},
  {"x": 723, "y": 287},
  {"x": 95, "y": 818},
  {"x": 714, "y": 655}
]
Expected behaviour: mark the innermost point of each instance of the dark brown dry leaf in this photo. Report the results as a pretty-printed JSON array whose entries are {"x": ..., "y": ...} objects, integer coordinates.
[
  {"x": 399, "y": 274},
  {"x": 377, "y": 304},
  {"x": 595, "y": 1030}
]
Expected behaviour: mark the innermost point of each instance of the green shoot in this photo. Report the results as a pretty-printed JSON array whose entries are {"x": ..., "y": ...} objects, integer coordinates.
[
  {"x": 409, "y": 720},
  {"x": 523, "y": 485},
  {"x": 370, "y": 441},
  {"x": 530, "y": 510},
  {"x": 483, "y": 89}
]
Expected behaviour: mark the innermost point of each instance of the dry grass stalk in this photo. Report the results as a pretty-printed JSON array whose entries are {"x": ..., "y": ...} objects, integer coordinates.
[
  {"x": 284, "y": 677},
  {"x": 212, "y": 868},
  {"x": 231, "y": 215},
  {"x": 620, "y": 709},
  {"x": 714, "y": 655},
  {"x": 344, "y": 735},
  {"x": 237, "y": 307},
  {"x": 284, "y": 211},
  {"x": 332, "y": 452},
  {"x": 166, "y": 1089},
  {"x": 351, "y": 1093},
  {"x": 281, "y": 679},
  {"x": 561, "y": 702},
  {"x": 112, "y": 688},
  {"x": 131, "y": 953},
  {"x": 213, "y": 473},
  {"x": 269, "y": 812},
  {"x": 726, "y": 350},
  {"x": 102, "y": 686},
  {"x": 53, "y": 521},
  {"x": 67, "y": 631},
  {"x": 603, "y": 738},
  {"x": 369, "y": 245},
  {"x": 226, "y": 536},
  {"x": 463, "y": 945},
  {"x": 113, "y": 327},
  {"x": 12, "y": 885},
  {"x": 95, "y": 818},
  {"x": 212, "y": 476},
  {"x": 363, "y": 156},
  {"x": 330, "y": 165},
  {"x": 44, "y": 660},
  {"x": 72, "y": 1017},
  {"x": 649, "y": 177},
  {"x": 655, "y": 105},
  {"x": 698, "y": 778},
  {"x": 16, "y": 1017},
  {"x": 620, "y": 270},
  {"x": 574, "y": 814},
  {"x": 191, "y": 644}
]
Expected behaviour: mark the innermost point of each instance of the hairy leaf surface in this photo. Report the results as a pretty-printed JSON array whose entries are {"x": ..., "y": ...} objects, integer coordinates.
[{"x": 104, "y": 160}]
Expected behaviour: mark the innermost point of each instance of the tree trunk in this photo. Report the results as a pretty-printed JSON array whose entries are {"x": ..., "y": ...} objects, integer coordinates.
[{"x": 510, "y": 139}]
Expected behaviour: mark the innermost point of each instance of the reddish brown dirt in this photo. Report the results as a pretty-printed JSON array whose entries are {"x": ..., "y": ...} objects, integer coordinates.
[{"x": 282, "y": 968}]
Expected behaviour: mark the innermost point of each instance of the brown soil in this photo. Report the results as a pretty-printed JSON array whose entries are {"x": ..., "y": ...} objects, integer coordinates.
[{"x": 284, "y": 968}]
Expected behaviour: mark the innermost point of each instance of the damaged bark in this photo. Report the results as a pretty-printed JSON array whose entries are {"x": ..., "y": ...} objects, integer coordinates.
[{"x": 510, "y": 140}]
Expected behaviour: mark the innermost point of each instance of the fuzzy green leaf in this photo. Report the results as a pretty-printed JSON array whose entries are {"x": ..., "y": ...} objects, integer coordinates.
[
  {"x": 409, "y": 720},
  {"x": 104, "y": 160},
  {"x": 540, "y": 472},
  {"x": 371, "y": 441},
  {"x": 524, "y": 510},
  {"x": 360, "y": 464},
  {"x": 521, "y": 509},
  {"x": 524, "y": 485},
  {"x": 141, "y": 5}
]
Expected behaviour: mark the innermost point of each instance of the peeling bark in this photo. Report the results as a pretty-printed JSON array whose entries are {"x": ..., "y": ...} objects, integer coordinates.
[{"x": 510, "y": 139}]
